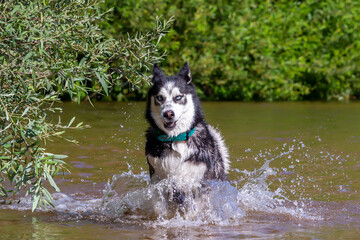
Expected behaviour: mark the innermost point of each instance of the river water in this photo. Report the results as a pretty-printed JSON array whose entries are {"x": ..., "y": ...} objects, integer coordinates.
[{"x": 295, "y": 174}]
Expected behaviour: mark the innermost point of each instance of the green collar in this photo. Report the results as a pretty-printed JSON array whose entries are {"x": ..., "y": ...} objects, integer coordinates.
[{"x": 181, "y": 137}]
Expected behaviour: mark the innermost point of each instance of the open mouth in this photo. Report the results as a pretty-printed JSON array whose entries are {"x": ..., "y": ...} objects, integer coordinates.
[{"x": 169, "y": 125}]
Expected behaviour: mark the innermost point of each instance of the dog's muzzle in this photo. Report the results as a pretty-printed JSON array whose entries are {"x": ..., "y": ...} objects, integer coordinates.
[{"x": 169, "y": 119}]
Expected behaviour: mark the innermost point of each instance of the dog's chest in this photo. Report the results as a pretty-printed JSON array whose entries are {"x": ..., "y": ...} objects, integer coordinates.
[{"x": 173, "y": 163}]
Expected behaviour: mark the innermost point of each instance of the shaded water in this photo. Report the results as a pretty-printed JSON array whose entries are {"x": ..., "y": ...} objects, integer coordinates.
[{"x": 295, "y": 174}]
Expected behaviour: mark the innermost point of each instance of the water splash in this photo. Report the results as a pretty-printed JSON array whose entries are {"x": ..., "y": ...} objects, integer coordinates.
[
  {"x": 215, "y": 203},
  {"x": 221, "y": 203},
  {"x": 279, "y": 187}
]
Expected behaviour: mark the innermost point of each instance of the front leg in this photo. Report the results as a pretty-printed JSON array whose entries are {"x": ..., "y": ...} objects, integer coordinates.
[
  {"x": 151, "y": 168},
  {"x": 153, "y": 178}
]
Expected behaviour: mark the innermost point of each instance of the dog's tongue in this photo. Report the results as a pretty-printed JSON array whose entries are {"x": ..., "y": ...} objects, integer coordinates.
[{"x": 170, "y": 124}]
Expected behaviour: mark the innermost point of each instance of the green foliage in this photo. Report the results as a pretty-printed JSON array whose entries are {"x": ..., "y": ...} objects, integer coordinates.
[
  {"x": 256, "y": 50},
  {"x": 49, "y": 48}
]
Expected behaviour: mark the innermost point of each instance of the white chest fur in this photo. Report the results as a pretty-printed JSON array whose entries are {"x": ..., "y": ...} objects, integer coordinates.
[{"x": 174, "y": 165}]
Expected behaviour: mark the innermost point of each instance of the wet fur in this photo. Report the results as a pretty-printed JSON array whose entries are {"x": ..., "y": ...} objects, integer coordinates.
[{"x": 204, "y": 155}]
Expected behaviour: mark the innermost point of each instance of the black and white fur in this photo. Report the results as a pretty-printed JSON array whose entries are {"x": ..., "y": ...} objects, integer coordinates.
[{"x": 174, "y": 108}]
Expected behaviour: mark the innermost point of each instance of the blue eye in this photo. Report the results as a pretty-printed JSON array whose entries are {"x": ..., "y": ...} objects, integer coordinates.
[
  {"x": 159, "y": 98},
  {"x": 178, "y": 98}
]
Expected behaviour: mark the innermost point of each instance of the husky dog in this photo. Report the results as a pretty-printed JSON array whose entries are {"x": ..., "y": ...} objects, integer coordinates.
[{"x": 179, "y": 143}]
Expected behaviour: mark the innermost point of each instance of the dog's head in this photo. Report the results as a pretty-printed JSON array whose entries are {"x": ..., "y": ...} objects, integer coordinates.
[{"x": 172, "y": 105}]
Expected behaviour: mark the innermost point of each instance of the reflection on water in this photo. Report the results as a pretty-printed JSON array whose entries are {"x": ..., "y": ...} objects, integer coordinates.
[{"x": 295, "y": 174}]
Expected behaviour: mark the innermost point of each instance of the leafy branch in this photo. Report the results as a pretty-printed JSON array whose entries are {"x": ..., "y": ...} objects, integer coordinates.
[{"x": 48, "y": 49}]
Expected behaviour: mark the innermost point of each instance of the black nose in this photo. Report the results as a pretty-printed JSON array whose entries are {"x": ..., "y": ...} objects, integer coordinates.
[{"x": 169, "y": 114}]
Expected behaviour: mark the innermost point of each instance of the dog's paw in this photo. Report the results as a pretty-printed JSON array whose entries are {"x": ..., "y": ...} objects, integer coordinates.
[{"x": 178, "y": 197}]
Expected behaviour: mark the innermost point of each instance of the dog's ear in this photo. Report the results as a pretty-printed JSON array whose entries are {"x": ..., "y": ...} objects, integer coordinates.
[
  {"x": 185, "y": 73},
  {"x": 156, "y": 72}
]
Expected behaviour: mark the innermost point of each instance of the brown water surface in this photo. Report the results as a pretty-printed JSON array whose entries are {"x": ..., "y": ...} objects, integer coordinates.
[{"x": 295, "y": 175}]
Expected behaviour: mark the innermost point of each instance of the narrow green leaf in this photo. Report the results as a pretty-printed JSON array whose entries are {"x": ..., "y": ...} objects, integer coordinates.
[
  {"x": 103, "y": 83},
  {"x": 26, "y": 110},
  {"x": 82, "y": 61},
  {"x": 59, "y": 133},
  {"x": 56, "y": 156},
  {"x": 47, "y": 195},
  {"x": 35, "y": 202},
  {"x": 46, "y": 158},
  {"x": 6, "y": 139},
  {"x": 22, "y": 132},
  {"x": 71, "y": 121},
  {"x": 51, "y": 181},
  {"x": 27, "y": 56}
]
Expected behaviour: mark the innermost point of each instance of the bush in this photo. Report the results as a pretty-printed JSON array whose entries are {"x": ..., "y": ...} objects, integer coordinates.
[
  {"x": 256, "y": 50},
  {"x": 49, "y": 48}
]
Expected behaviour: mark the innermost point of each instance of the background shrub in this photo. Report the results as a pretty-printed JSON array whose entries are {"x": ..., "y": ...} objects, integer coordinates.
[{"x": 255, "y": 50}]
